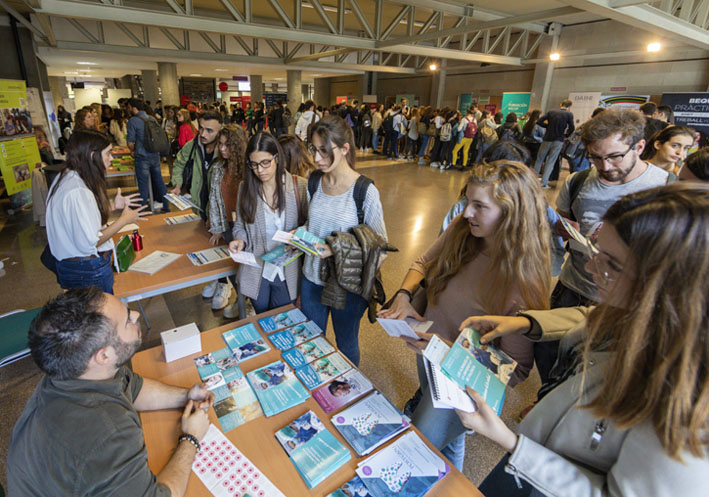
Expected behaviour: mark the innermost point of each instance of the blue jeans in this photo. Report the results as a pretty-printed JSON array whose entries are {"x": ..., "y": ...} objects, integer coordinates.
[
  {"x": 96, "y": 271},
  {"x": 548, "y": 153},
  {"x": 345, "y": 322},
  {"x": 424, "y": 145},
  {"x": 271, "y": 294},
  {"x": 375, "y": 141},
  {"x": 147, "y": 170}
]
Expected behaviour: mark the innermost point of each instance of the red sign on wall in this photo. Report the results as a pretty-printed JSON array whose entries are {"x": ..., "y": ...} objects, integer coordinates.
[{"x": 243, "y": 100}]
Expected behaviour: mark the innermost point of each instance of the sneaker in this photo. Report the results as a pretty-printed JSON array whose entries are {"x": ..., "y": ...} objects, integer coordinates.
[
  {"x": 434, "y": 165},
  {"x": 421, "y": 162},
  {"x": 546, "y": 187},
  {"x": 208, "y": 291},
  {"x": 221, "y": 296},
  {"x": 232, "y": 311}
]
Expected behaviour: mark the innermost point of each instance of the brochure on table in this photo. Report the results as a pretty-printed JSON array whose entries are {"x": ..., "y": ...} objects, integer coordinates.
[
  {"x": 154, "y": 262},
  {"x": 323, "y": 370},
  {"x": 353, "y": 488},
  {"x": 184, "y": 218},
  {"x": 277, "y": 387},
  {"x": 315, "y": 452},
  {"x": 208, "y": 256},
  {"x": 370, "y": 423},
  {"x": 343, "y": 390},
  {"x": 295, "y": 335},
  {"x": 307, "y": 352},
  {"x": 282, "y": 320},
  {"x": 245, "y": 342}
]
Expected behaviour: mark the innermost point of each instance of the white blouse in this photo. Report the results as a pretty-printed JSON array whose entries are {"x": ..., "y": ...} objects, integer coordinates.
[{"x": 274, "y": 222}]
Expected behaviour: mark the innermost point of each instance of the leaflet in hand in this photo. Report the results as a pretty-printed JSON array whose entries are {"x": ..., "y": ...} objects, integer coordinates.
[
  {"x": 484, "y": 368},
  {"x": 301, "y": 239},
  {"x": 234, "y": 401},
  {"x": 154, "y": 262},
  {"x": 246, "y": 258},
  {"x": 282, "y": 320},
  {"x": 343, "y": 390},
  {"x": 226, "y": 472},
  {"x": 245, "y": 342},
  {"x": 281, "y": 256},
  {"x": 182, "y": 202},
  {"x": 353, "y": 488},
  {"x": 184, "y": 218},
  {"x": 207, "y": 256},
  {"x": 315, "y": 452},
  {"x": 408, "y": 327},
  {"x": 295, "y": 335},
  {"x": 323, "y": 370},
  {"x": 277, "y": 388},
  {"x": 406, "y": 468},
  {"x": 307, "y": 352},
  {"x": 370, "y": 423},
  {"x": 577, "y": 241}
]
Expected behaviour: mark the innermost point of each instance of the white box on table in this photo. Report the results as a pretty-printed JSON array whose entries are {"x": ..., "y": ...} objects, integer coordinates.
[{"x": 181, "y": 342}]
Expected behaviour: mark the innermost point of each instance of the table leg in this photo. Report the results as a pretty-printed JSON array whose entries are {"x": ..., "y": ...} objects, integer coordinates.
[{"x": 142, "y": 313}]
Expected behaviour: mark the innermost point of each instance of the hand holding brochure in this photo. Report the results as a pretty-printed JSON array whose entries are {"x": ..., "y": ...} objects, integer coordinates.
[
  {"x": 281, "y": 256},
  {"x": 301, "y": 239},
  {"x": 182, "y": 202},
  {"x": 445, "y": 393},
  {"x": 408, "y": 327},
  {"x": 246, "y": 258}
]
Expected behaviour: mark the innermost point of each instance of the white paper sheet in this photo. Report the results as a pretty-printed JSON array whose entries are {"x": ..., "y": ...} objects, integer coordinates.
[
  {"x": 154, "y": 262},
  {"x": 246, "y": 258},
  {"x": 408, "y": 327}
]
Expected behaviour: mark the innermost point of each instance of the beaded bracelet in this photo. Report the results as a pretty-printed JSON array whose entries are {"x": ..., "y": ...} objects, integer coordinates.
[{"x": 191, "y": 439}]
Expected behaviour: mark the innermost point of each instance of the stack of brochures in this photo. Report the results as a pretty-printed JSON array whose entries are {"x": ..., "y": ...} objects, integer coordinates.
[
  {"x": 315, "y": 452},
  {"x": 407, "y": 468},
  {"x": 353, "y": 488},
  {"x": 307, "y": 352},
  {"x": 282, "y": 320},
  {"x": 245, "y": 342},
  {"x": 208, "y": 256},
  {"x": 184, "y": 218},
  {"x": 343, "y": 390},
  {"x": 323, "y": 370},
  {"x": 295, "y": 335},
  {"x": 277, "y": 388},
  {"x": 234, "y": 401},
  {"x": 369, "y": 423},
  {"x": 182, "y": 202}
]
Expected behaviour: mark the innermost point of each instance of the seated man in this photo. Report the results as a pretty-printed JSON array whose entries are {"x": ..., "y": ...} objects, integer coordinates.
[{"x": 80, "y": 433}]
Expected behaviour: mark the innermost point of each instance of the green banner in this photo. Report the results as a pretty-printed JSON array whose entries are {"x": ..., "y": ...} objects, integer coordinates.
[
  {"x": 515, "y": 102},
  {"x": 464, "y": 102}
]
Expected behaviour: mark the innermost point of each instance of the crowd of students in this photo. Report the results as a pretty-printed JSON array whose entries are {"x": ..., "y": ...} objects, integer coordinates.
[{"x": 619, "y": 343}]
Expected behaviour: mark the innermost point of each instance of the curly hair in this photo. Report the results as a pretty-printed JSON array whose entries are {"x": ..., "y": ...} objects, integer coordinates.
[
  {"x": 629, "y": 123},
  {"x": 236, "y": 144}
]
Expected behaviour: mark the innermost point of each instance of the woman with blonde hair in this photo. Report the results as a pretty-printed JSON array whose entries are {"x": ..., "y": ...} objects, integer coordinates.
[
  {"x": 298, "y": 160},
  {"x": 628, "y": 410},
  {"x": 186, "y": 130},
  {"x": 495, "y": 255}
]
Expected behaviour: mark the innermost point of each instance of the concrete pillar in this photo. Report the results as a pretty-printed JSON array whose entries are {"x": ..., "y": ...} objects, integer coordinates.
[
  {"x": 438, "y": 85},
  {"x": 256, "y": 88},
  {"x": 150, "y": 86},
  {"x": 321, "y": 92},
  {"x": 544, "y": 72},
  {"x": 305, "y": 92},
  {"x": 57, "y": 86},
  {"x": 295, "y": 93},
  {"x": 170, "y": 90}
]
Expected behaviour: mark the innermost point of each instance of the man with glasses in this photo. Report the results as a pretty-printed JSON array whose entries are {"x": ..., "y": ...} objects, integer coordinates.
[{"x": 614, "y": 141}]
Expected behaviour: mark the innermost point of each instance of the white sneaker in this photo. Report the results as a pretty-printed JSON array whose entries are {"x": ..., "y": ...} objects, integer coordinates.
[
  {"x": 208, "y": 291},
  {"x": 221, "y": 296},
  {"x": 157, "y": 206},
  {"x": 434, "y": 165}
]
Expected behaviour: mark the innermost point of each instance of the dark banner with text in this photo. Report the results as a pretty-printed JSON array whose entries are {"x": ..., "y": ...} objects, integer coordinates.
[{"x": 690, "y": 109}]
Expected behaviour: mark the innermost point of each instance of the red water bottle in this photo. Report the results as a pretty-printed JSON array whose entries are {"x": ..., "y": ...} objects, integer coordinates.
[{"x": 137, "y": 241}]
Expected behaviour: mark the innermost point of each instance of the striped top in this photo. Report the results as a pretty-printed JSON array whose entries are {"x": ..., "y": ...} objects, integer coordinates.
[{"x": 339, "y": 213}]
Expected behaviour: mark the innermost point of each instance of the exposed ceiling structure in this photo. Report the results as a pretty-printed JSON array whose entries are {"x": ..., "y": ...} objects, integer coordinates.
[{"x": 329, "y": 37}]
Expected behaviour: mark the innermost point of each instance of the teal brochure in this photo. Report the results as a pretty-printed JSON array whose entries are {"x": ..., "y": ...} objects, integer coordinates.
[
  {"x": 323, "y": 370},
  {"x": 281, "y": 256},
  {"x": 295, "y": 335},
  {"x": 353, "y": 488},
  {"x": 307, "y": 352},
  {"x": 483, "y": 367},
  {"x": 277, "y": 388},
  {"x": 245, "y": 342},
  {"x": 282, "y": 320},
  {"x": 306, "y": 241}
]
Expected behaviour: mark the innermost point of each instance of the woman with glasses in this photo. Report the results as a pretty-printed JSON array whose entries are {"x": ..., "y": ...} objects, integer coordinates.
[
  {"x": 628, "y": 408},
  {"x": 269, "y": 200},
  {"x": 333, "y": 208}
]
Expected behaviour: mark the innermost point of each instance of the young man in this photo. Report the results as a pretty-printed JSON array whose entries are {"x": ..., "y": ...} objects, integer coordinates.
[
  {"x": 203, "y": 156},
  {"x": 147, "y": 164},
  {"x": 653, "y": 121},
  {"x": 80, "y": 433},
  {"x": 559, "y": 124}
]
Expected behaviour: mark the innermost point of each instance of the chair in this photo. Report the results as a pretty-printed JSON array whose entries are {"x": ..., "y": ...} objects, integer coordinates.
[{"x": 14, "y": 327}]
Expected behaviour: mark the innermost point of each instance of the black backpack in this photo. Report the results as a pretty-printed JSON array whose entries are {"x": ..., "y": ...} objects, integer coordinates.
[
  {"x": 388, "y": 123},
  {"x": 573, "y": 147},
  {"x": 359, "y": 194},
  {"x": 155, "y": 140}
]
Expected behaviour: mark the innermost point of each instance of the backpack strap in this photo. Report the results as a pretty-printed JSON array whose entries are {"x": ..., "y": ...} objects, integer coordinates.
[
  {"x": 297, "y": 199},
  {"x": 360, "y": 193},
  {"x": 314, "y": 181},
  {"x": 575, "y": 185}
]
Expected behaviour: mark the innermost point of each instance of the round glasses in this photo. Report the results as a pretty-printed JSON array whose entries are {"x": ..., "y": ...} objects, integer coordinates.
[
  {"x": 601, "y": 263},
  {"x": 264, "y": 164},
  {"x": 314, "y": 151}
]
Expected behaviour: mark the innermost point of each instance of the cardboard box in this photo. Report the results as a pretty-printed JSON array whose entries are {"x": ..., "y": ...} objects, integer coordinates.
[{"x": 181, "y": 342}]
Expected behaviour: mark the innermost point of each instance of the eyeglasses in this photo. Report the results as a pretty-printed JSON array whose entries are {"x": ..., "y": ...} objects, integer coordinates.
[
  {"x": 314, "y": 150},
  {"x": 264, "y": 164},
  {"x": 614, "y": 159},
  {"x": 603, "y": 265}
]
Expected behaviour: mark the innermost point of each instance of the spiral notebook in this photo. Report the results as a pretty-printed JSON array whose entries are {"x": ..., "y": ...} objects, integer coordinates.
[{"x": 445, "y": 393}]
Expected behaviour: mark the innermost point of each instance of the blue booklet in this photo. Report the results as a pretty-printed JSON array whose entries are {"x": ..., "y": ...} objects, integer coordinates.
[
  {"x": 483, "y": 367},
  {"x": 307, "y": 352},
  {"x": 281, "y": 256},
  {"x": 406, "y": 468},
  {"x": 370, "y": 423},
  {"x": 353, "y": 488},
  {"x": 315, "y": 452},
  {"x": 234, "y": 401},
  {"x": 323, "y": 370},
  {"x": 277, "y": 388},
  {"x": 245, "y": 342},
  {"x": 282, "y": 320},
  {"x": 295, "y": 335}
]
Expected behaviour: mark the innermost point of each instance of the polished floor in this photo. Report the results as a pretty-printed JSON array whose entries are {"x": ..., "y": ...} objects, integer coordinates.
[{"x": 414, "y": 198}]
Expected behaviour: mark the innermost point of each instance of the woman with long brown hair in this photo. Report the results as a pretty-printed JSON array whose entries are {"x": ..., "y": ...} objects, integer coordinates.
[
  {"x": 84, "y": 119},
  {"x": 495, "y": 255},
  {"x": 668, "y": 148},
  {"x": 298, "y": 161},
  {"x": 77, "y": 212}
]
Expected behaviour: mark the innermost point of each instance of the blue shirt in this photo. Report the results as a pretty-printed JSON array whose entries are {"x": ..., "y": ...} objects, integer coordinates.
[{"x": 136, "y": 134}]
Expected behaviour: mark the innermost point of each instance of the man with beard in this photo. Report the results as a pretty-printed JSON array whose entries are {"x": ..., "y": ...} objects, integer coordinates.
[
  {"x": 614, "y": 141},
  {"x": 80, "y": 433}
]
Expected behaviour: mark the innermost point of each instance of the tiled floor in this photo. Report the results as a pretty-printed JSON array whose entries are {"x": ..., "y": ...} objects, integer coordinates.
[{"x": 415, "y": 199}]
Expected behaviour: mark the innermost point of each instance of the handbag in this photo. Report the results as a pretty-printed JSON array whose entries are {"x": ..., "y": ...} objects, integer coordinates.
[{"x": 188, "y": 170}]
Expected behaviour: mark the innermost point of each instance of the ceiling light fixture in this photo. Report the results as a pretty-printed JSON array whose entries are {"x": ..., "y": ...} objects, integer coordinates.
[
  {"x": 433, "y": 67},
  {"x": 654, "y": 47},
  {"x": 87, "y": 63},
  {"x": 221, "y": 70},
  {"x": 555, "y": 56},
  {"x": 195, "y": 74}
]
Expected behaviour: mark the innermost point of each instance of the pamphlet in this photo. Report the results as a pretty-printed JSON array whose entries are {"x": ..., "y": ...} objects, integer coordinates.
[
  {"x": 246, "y": 258},
  {"x": 323, "y": 370},
  {"x": 353, "y": 488},
  {"x": 301, "y": 239},
  {"x": 281, "y": 256},
  {"x": 184, "y": 218},
  {"x": 343, "y": 390},
  {"x": 182, "y": 202},
  {"x": 295, "y": 335},
  {"x": 207, "y": 256},
  {"x": 154, "y": 262},
  {"x": 483, "y": 367},
  {"x": 307, "y": 352},
  {"x": 577, "y": 240},
  {"x": 406, "y": 468},
  {"x": 234, "y": 401},
  {"x": 245, "y": 342},
  {"x": 370, "y": 423},
  {"x": 227, "y": 472},
  {"x": 277, "y": 388},
  {"x": 315, "y": 452},
  {"x": 408, "y": 327},
  {"x": 282, "y": 320}
]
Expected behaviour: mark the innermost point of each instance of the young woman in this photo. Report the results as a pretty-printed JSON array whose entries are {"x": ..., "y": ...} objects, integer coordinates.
[
  {"x": 376, "y": 124},
  {"x": 84, "y": 119},
  {"x": 628, "y": 411},
  {"x": 510, "y": 131},
  {"x": 118, "y": 127},
  {"x": 493, "y": 256},
  {"x": 696, "y": 166},
  {"x": 298, "y": 161},
  {"x": 332, "y": 208},
  {"x": 169, "y": 122},
  {"x": 77, "y": 213},
  {"x": 269, "y": 199},
  {"x": 668, "y": 147},
  {"x": 468, "y": 127},
  {"x": 532, "y": 133},
  {"x": 186, "y": 130},
  {"x": 412, "y": 135}
]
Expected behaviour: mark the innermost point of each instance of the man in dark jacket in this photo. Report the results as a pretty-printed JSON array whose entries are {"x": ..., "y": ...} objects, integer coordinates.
[{"x": 559, "y": 124}]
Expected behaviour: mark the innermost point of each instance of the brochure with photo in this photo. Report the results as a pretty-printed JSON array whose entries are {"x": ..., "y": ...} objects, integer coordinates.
[
  {"x": 341, "y": 391},
  {"x": 277, "y": 387},
  {"x": 281, "y": 256},
  {"x": 295, "y": 335},
  {"x": 245, "y": 342},
  {"x": 282, "y": 320},
  {"x": 323, "y": 370},
  {"x": 353, "y": 488},
  {"x": 307, "y": 352}
]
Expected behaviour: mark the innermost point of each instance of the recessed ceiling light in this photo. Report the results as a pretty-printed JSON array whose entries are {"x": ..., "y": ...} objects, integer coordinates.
[
  {"x": 87, "y": 63},
  {"x": 221, "y": 70},
  {"x": 195, "y": 74},
  {"x": 318, "y": 74},
  {"x": 278, "y": 79},
  {"x": 84, "y": 70},
  {"x": 70, "y": 72}
]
